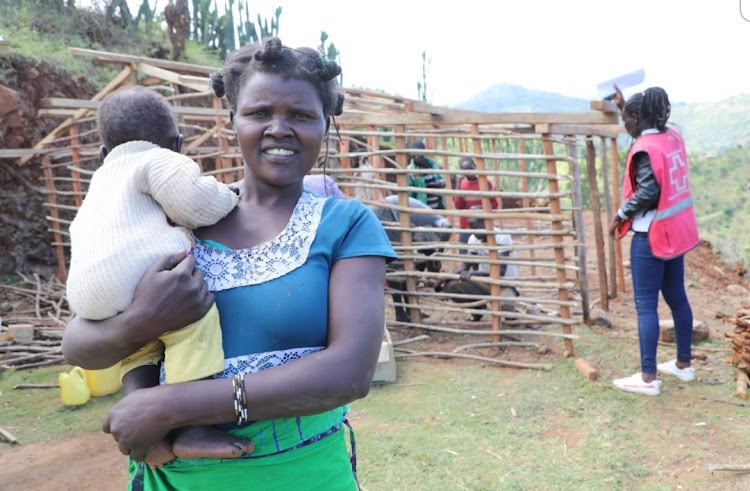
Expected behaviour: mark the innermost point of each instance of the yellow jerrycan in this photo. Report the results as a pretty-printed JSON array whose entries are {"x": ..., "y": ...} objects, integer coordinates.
[
  {"x": 104, "y": 382},
  {"x": 73, "y": 388}
]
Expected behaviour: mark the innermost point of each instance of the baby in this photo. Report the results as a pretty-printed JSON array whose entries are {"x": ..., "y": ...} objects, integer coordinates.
[{"x": 141, "y": 204}]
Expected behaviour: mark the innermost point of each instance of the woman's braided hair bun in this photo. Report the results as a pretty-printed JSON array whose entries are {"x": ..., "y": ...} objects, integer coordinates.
[
  {"x": 271, "y": 51},
  {"x": 329, "y": 69},
  {"x": 338, "y": 108},
  {"x": 273, "y": 57},
  {"x": 217, "y": 84}
]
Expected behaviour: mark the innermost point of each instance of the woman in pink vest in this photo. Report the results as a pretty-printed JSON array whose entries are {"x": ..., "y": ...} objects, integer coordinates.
[{"x": 658, "y": 208}]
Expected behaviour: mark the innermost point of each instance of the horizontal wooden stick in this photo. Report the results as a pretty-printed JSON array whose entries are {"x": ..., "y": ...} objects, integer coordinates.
[
  {"x": 480, "y": 279},
  {"x": 733, "y": 403},
  {"x": 729, "y": 467},
  {"x": 51, "y": 361},
  {"x": 486, "y": 332},
  {"x": 415, "y": 339},
  {"x": 498, "y": 344},
  {"x": 33, "y": 356},
  {"x": 524, "y": 298},
  {"x": 466, "y": 309},
  {"x": 29, "y": 348},
  {"x": 35, "y": 386},
  {"x": 440, "y": 354}
]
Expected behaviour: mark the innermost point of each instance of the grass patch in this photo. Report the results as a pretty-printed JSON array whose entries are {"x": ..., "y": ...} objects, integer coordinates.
[
  {"x": 38, "y": 414},
  {"x": 461, "y": 425},
  {"x": 44, "y": 33},
  {"x": 447, "y": 425}
]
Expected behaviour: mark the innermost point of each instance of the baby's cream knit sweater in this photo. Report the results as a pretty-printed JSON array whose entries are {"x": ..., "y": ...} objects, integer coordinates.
[{"x": 121, "y": 228}]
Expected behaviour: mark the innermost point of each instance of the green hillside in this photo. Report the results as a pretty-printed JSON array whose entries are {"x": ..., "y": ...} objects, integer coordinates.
[
  {"x": 721, "y": 190},
  {"x": 713, "y": 127}
]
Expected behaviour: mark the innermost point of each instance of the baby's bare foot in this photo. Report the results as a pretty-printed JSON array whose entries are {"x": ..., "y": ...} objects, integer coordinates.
[
  {"x": 159, "y": 454},
  {"x": 208, "y": 442}
]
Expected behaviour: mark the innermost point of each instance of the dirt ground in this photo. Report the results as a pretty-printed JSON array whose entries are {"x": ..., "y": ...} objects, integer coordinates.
[{"x": 97, "y": 464}]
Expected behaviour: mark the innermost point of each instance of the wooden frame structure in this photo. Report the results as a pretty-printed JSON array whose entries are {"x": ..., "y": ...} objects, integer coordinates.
[{"x": 530, "y": 158}]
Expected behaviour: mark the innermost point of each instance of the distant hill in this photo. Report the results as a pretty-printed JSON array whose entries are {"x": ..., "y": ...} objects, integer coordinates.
[
  {"x": 716, "y": 126},
  {"x": 708, "y": 127},
  {"x": 509, "y": 98}
]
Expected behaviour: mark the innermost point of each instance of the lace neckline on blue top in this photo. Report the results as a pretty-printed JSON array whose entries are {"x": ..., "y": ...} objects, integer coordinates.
[{"x": 225, "y": 268}]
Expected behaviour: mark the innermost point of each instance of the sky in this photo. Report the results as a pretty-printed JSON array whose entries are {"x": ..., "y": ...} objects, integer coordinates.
[{"x": 695, "y": 49}]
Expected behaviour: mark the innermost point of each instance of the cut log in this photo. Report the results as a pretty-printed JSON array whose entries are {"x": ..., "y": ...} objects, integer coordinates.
[
  {"x": 742, "y": 383},
  {"x": 8, "y": 436},
  {"x": 587, "y": 370}
]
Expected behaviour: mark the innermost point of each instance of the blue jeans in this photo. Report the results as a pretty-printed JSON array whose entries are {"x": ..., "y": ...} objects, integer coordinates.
[{"x": 651, "y": 275}]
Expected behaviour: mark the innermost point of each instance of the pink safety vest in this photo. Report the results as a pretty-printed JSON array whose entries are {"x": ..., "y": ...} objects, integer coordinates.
[{"x": 674, "y": 230}]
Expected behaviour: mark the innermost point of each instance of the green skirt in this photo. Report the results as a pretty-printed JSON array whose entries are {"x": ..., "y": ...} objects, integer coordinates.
[{"x": 323, "y": 465}]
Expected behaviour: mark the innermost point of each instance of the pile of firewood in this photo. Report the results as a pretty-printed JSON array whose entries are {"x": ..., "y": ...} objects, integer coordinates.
[
  {"x": 740, "y": 358},
  {"x": 31, "y": 329}
]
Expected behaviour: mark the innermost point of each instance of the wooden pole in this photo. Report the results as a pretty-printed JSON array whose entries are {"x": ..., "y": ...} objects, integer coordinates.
[
  {"x": 489, "y": 224},
  {"x": 76, "y": 158},
  {"x": 525, "y": 200},
  {"x": 615, "y": 200},
  {"x": 405, "y": 222},
  {"x": 345, "y": 162},
  {"x": 498, "y": 187},
  {"x": 580, "y": 229},
  {"x": 222, "y": 162},
  {"x": 376, "y": 163},
  {"x": 62, "y": 271},
  {"x": 449, "y": 205},
  {"x": 555, "y": 208},
  {"x": 597, "y": 212},
  {"x": 608, "y": 207}
]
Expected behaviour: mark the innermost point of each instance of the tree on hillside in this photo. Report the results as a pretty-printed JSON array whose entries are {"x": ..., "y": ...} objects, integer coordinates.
[
  {"x": 115, "y": 7},
  {"x": 330, "y": 52},
  {"x": 177, "y": 16},
  {"x": 146, "y": 13},
  {"x": 216, "y": 28}
]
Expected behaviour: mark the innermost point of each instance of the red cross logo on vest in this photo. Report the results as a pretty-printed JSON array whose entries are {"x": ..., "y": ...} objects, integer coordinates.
[{"x": 677, "y": 176}]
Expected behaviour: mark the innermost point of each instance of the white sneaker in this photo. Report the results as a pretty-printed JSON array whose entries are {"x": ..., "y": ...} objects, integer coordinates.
[
  {"x": 670, "y": 368},
  {"x": 635, "y": 384}
]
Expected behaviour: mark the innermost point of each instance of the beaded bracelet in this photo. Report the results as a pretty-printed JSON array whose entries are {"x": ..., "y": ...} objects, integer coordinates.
[{"x": 240, "y": 399}]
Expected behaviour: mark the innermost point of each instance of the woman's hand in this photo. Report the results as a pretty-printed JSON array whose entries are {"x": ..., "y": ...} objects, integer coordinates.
[
  {"x": 171, "y": 295},
  {"x": 619, "y": 100},
  {"x": 138, "y": 421},
  {"x": 614, "y": 226}
]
